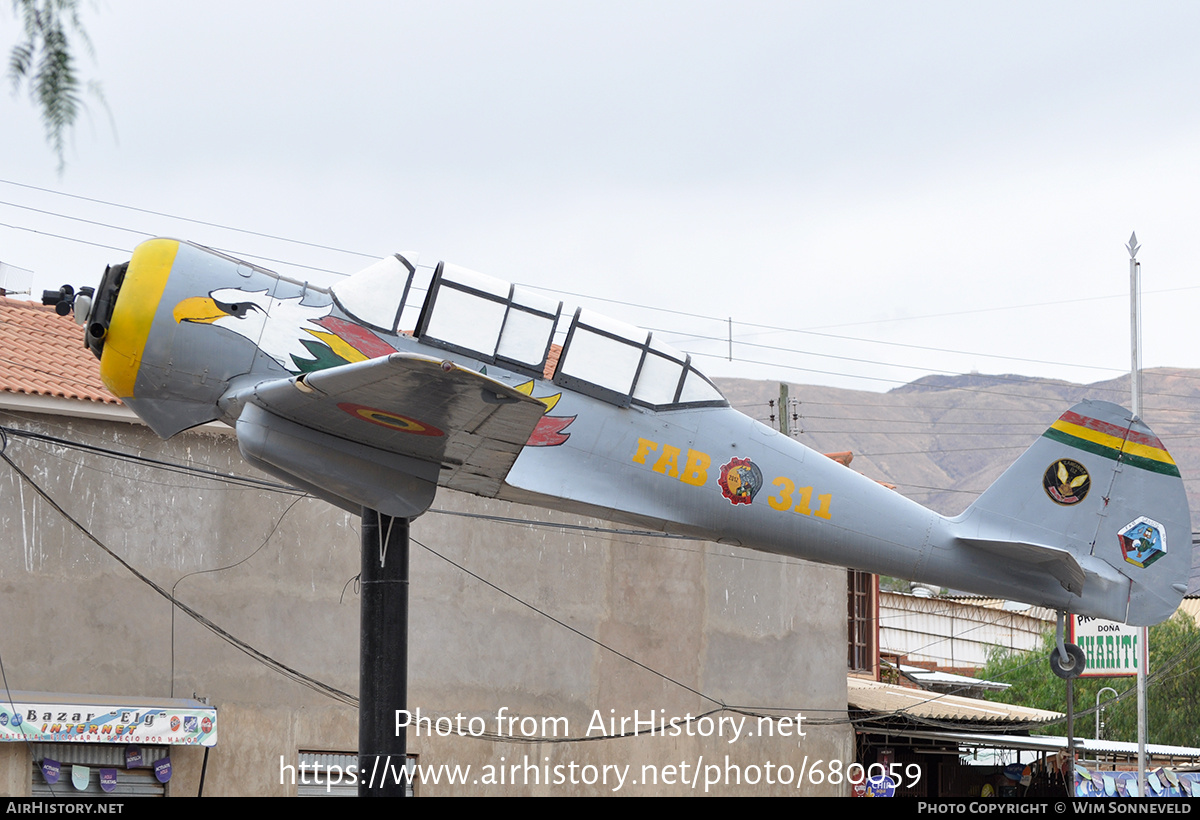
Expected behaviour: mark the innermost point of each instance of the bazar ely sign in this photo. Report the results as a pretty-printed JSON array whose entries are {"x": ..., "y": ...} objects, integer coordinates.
[{"x": 79, "y": 723}]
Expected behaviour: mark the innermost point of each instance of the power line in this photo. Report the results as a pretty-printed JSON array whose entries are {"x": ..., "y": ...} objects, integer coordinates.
[
  {"x": 183, "y": 219},
  {"x": 228, "y": 637},
  {"x": 231, "y": 478},
  {"x": 65, "y": 238},
  {"x": 814, "y": 331},
  {"x": 262, "y": 657},
  {"x": 570, "y": 628},
  {"x": 307, "y": 680}
]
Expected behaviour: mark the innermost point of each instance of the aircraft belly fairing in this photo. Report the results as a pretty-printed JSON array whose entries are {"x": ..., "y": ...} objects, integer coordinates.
[{"x": 329, "y": 391}]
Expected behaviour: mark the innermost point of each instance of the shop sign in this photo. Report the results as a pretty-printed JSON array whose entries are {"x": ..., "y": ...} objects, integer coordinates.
[
  {"x": 43, "y": 722},
  {"x": 1110, "y": 647}
]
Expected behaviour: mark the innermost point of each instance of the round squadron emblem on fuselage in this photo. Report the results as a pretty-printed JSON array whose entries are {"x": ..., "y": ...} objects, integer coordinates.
[
  {"x": 1066, "y": 482},
  {"x": 740, "y": 480}
]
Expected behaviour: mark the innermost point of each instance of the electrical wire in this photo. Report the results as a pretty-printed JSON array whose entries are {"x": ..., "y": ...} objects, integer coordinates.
[
  {"x": 238, "y": 563},
  {"x": 235, "y": 479},
  {"x": 817, "y": 331},
  {"x": 237, "y": 643},
  {"x": 184, "y": 219},
  {"x": 3, "y": 674},
  {"x": 282, "y": 668},
  {"x": 568, "y": 627},
  {"x": 636, "y": 533},
  {"x": 762, "y": 711}
]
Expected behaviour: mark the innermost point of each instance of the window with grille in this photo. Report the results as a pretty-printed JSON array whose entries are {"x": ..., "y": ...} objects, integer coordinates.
[{"x": 862, "y": 604}]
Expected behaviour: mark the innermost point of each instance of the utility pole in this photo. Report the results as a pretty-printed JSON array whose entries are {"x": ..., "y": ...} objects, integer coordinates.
[
  {"x": 1135, "y": 384},
  {"x": 783, "y": 409}
]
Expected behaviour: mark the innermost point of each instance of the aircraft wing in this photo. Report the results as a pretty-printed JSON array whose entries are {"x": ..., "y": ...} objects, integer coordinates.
[{"x": 415, "y": 407}]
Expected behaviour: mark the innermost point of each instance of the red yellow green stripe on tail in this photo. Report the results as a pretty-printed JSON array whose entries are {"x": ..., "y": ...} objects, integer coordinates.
[{"x": 1142, "y": 450}]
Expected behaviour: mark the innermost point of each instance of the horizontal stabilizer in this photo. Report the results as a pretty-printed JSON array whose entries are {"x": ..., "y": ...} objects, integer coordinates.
[{"x": 1057, "y": 562}]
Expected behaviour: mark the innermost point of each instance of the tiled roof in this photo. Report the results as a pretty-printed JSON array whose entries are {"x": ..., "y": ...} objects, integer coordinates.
[
  {"x": 42, "y": 354},
  {"x": 552, "y": 361}
]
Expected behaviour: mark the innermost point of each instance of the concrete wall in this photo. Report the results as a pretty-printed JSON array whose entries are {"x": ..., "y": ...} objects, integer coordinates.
[{"x": 745, "y": 629}]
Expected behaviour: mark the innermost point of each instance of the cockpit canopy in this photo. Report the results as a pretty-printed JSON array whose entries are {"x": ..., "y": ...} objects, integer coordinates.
[{"x": 515, "y": 328}]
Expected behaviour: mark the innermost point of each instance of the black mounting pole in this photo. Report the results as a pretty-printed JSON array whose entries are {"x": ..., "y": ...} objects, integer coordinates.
[
  {"x": 1071, "y": 728},
  {"x": 383, "y": 656}
]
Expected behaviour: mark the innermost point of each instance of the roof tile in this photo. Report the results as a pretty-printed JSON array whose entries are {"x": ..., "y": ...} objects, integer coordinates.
[{"x": 42, "y": 354}]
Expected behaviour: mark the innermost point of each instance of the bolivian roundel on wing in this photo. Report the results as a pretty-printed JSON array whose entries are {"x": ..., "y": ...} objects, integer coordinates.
[{"x": 393, "y": 421}]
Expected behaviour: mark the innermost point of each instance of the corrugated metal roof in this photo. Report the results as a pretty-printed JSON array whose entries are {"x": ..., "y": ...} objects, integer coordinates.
[
  {"x": 1041, "y": 613},
  {"x": 42, "y": 354},
  {"x": 1053, "y": 743},
  {"x": 886, "y": 699},
  {"x": 930, "y": 677},
  {"x": 958, "y": 634},
  {"x": 1191, "y": 606}
]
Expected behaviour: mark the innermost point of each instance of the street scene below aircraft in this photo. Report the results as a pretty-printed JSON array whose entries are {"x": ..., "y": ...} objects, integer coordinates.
[{"x": 375, "y": 392}]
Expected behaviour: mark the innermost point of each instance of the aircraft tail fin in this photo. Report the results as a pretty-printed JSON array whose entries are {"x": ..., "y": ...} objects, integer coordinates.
[{"x": 1097, "y": 502}]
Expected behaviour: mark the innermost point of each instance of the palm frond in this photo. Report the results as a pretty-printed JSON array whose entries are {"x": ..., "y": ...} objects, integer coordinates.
[{"x": 44, "y": 59}]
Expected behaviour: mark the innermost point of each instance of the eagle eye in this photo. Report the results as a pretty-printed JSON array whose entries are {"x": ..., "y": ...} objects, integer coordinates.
[{"x": 237, "y": 309}]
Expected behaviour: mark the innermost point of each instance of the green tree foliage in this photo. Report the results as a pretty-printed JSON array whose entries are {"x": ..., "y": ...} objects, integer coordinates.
[
  {"x": 43, "y": 58},
  {"x": 1173, "y": 689}
]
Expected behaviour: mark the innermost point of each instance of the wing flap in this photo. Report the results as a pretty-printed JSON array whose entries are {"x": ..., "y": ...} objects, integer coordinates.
[{"x": 472, "y": 425}]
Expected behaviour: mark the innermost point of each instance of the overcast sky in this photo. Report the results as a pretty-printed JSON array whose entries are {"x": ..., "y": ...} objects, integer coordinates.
[{"x": 958, "y": 176}]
